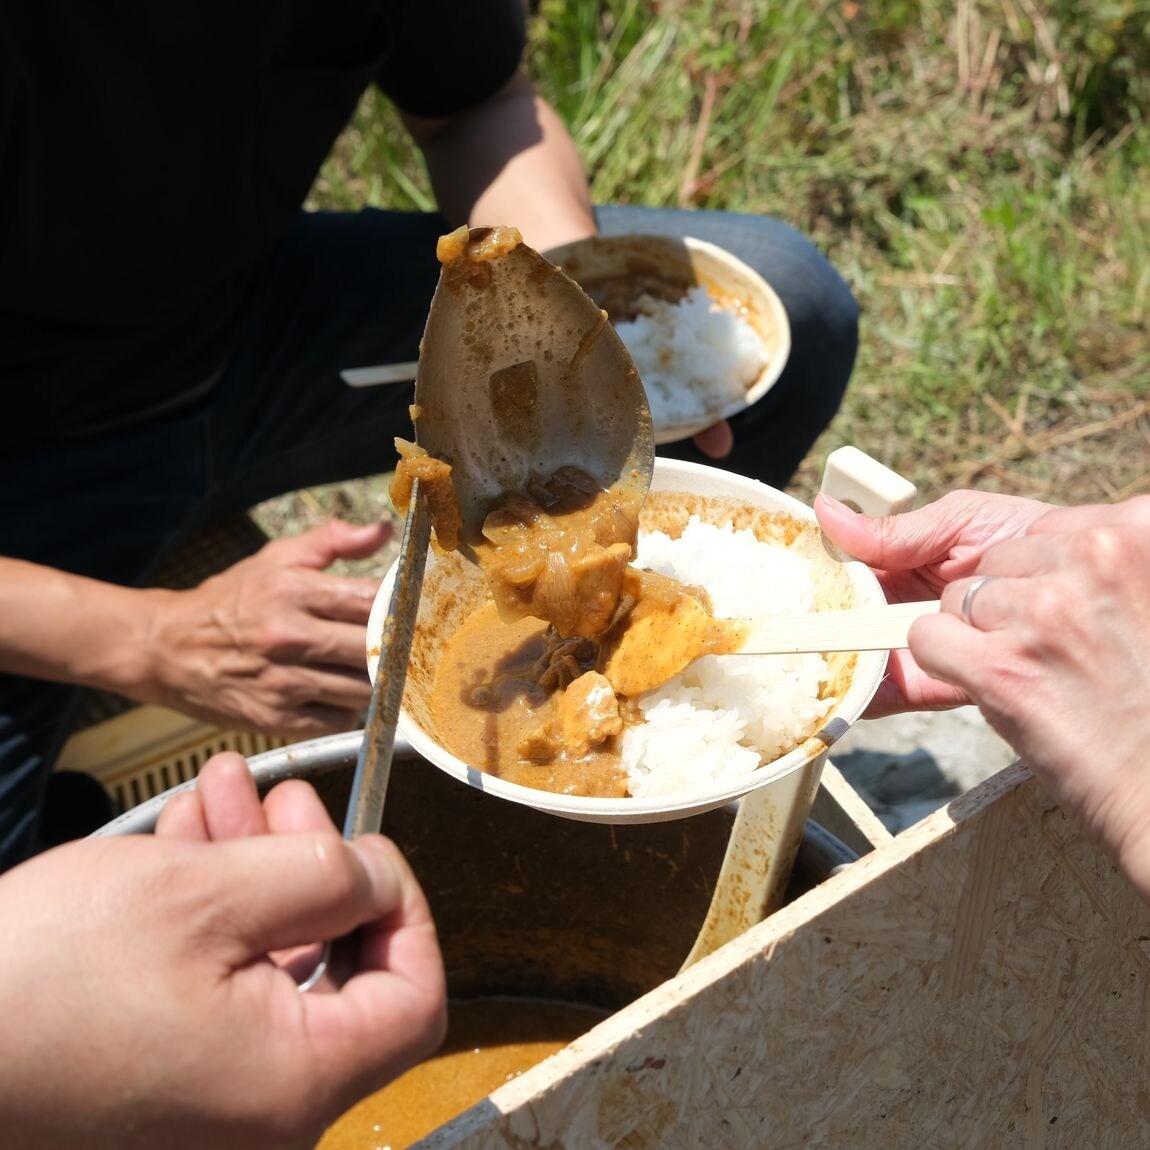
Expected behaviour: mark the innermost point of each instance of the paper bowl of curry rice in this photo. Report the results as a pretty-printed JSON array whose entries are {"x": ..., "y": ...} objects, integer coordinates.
[
  {"x": 707, "y": 334},
  {"x": 561, "y": 724}
]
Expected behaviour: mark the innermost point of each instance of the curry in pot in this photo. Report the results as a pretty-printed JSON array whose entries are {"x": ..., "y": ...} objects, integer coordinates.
[{"x": 489, "y": 1042}]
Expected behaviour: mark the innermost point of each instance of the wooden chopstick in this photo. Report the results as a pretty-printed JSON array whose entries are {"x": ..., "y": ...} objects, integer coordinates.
[{"x": 859, "y": 629}]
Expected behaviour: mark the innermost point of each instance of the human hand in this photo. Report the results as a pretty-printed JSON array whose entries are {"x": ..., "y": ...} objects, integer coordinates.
[
  {"x": 141, "y": 1007},
  {"x": 274, "y": 643},
  {"x": 916, "y": 555},
  {"x": 716, "y": 441},
  {"x": 1057, "y": 656}
]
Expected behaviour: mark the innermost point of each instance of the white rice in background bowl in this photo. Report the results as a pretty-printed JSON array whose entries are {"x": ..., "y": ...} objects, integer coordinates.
[
  {"x": 694, "y": 356},
  {"x": 708, "y": 334},
  {"x": 726, "y": 715}
]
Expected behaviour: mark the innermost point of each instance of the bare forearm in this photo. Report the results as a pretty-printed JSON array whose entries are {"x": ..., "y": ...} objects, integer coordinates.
[
  {"x": 509, "y": 160},
  {"x": 69, "y": 629}
]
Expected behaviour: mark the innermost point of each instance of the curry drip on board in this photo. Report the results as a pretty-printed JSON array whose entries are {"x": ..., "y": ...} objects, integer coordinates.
[{"x": 537, "y": 686}]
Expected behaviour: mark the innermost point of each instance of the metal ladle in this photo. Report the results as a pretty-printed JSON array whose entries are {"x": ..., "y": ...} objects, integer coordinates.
[{"x": 520, "y": 374}]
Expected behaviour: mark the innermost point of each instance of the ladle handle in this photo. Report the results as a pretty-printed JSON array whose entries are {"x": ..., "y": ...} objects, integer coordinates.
[{"x": 373, "y": 766}]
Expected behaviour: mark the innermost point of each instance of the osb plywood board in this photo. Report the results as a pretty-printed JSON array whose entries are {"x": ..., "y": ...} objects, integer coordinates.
[{"x": 983, "y": 980}]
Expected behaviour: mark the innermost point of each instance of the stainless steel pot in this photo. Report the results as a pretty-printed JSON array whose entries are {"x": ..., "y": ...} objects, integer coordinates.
[{"x": 526, "y": 903}]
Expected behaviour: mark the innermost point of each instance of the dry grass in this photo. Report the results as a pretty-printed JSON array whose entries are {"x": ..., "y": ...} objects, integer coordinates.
[{"x": 976, "y": 170}]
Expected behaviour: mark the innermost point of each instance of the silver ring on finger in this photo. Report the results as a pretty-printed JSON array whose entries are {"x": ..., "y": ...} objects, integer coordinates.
[{"x": 968, "y": 598}]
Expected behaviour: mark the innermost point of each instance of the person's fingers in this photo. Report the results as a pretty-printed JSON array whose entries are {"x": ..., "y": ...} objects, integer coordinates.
[
  {"x": 289, "y": 807},
  {"x": 1029, "y": 555},
  {"x": 225, "y": 804},
  {"x": 950, "y": 650},
  {"x": 1086, "y": 517},
  {"x": 911, "y": 539},
  {"x": 297, "y": 888},
  {"x": 862, "y": 538},
  {"x": 394, "y": 883},
  {"x": 398, "y": 995},
  {"x": 325, "y": 646},
  {"x": 716, "y": 441},
  {"x": 321, "y": 546},
  {"x": 346, "y": 687},
  {"x": 943, "y": 540},
  {"x": 182, "y": 817},
  {"x": 228, "y": 796},
  {"x": 907, "y": 687},
  {"x": 377, "y": 1025},
  {"x": 844, "y": 526},
  {"x": 315, "y": 719},
  {"x": 981, "y": 602},
  {"x": 293, "y": 806},
  {"x": 401, "y": 943},
  {"x": 341, "y": 598}
]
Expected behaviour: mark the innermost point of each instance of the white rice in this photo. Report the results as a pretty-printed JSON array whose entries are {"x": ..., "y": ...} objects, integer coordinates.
[
  {"x": 694, "y": 357},
  {"x": 726, "y": 714}
]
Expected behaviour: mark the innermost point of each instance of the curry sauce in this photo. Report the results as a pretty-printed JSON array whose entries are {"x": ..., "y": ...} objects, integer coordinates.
[
  {"x": 495, "y": 706},
  {"x": 489, "y": 1042}
]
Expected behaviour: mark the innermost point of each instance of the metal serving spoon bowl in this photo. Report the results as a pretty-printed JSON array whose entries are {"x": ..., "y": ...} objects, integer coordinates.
[{"x": 520, "y": 374}]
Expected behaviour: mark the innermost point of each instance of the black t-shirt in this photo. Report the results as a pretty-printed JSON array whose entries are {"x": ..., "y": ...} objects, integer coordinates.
[{"x": 154, "y": 152}]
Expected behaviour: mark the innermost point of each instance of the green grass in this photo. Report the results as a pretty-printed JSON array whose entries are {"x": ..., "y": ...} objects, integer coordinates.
[{"x": 977, "y": 171}]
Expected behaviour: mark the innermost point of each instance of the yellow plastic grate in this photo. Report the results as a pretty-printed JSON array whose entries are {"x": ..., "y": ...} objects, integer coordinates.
[{"x": 147, "y": 750}]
